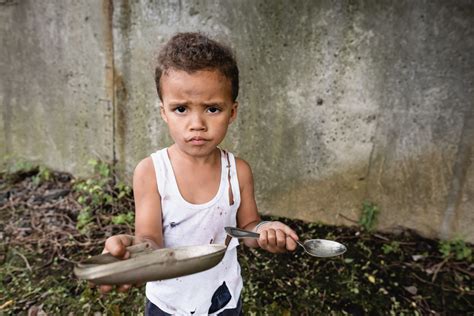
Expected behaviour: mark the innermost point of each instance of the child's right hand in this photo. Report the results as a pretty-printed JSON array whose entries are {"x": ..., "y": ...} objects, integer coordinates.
[
  {"x": 276, "y": 237},
  {"x": 117, "y": 247}
]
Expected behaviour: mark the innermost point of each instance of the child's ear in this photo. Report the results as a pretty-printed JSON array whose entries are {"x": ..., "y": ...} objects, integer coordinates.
[
  {"x": 233, "y": 113},
  {"x": 163, "y": 114}
]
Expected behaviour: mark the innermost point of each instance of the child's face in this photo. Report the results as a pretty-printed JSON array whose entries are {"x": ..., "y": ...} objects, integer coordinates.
[{"x": 198, "y": 109}]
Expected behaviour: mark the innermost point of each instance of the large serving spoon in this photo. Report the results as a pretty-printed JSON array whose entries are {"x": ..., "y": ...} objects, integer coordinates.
[{"x": 315, "y": 247}]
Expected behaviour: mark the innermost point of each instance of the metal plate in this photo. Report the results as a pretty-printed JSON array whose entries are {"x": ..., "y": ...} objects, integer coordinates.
[{"x": 146, "y": 264}]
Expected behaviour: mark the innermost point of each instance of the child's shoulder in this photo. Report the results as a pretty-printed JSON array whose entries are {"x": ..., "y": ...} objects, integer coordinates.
[
  {"x": 244, "y": 172},
  {"x": 144, "y": 178},
  {"x": 241, "y": 164},
  {"x": 145, "y": 170},
  {"x": 145, "y": 165}
]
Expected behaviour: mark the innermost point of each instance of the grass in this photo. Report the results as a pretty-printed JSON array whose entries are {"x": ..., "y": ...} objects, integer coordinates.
[{"x": 43, "y": 232}]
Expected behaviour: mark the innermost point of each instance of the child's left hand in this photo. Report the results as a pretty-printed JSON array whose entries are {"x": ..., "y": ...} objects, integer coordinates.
[{"x": 276, "y": 237}]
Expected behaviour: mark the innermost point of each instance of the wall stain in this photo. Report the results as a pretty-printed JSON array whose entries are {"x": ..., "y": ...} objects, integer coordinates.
[
  {"x": 107, "y": 27},
  {"x": 462, "y": 163},
  {"x": 121, "y": 100},
  {"x": 122, "y": 74}
]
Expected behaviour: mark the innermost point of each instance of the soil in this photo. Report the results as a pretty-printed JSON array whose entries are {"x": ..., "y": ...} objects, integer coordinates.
[{"x": 49, "y": 221}]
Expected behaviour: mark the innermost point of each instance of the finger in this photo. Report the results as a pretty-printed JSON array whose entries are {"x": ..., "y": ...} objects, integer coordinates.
[
  {"x": 271, "y": 236},
  {"x": 290, "y": 243},
  {"x": 280, "y": 239},
  {"x": 263, "y": 239},
  {"x": 127, "y": 240},
  {"x": 287, "y": 230},
  {"x": 124, "y": 288},
  {"x": 116, "y": 245},
  {"x": 105, "y": 288}
]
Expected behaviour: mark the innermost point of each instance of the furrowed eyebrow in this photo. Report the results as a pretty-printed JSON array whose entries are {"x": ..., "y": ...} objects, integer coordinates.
[
  {"x": 204, "y": 104},
  {"x": 178, "y": 103},
  {"x": 220, "y": 104}
]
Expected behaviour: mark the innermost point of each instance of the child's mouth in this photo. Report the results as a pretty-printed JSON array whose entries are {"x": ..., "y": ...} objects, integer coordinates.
[{"x": 197, "y": 141}]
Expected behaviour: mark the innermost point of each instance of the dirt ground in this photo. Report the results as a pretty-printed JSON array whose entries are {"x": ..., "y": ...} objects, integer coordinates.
[{"x": 49, "y": 221}]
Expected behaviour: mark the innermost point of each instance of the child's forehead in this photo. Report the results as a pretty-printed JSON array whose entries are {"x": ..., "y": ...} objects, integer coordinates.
[
  {"x": 202, "y": 82},
  {"x": 184, "y": 75}
]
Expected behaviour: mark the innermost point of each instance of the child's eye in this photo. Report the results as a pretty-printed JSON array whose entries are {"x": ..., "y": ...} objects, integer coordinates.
[
  {"x": 213, "y": 109},
  {"x": 180, "y": 109}
]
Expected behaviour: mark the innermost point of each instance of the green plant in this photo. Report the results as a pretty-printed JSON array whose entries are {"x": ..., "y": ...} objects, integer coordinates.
[
  {"x": 369, "y": 215},
  {"x": 393, "y": 247},
  {"x": 94, "y": 194},
  {"x": 456, "y": 248},
  {"x": 99, "y": 196},
  {"x": 101, "y": 168},
  {"x": 43, "y": 175},
  {"x": 84, "y": 220},
  {"x": 93, "y": 191},
  {"x": 21, "y": 166},
  {"x": 124, "y": 219},
  {"x": 123, "y": 190}
]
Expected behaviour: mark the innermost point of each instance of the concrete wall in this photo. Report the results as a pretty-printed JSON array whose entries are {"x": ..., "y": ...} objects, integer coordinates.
[
  {"x": 340, "y": 102},
  {"x": 55, "y": 108}
]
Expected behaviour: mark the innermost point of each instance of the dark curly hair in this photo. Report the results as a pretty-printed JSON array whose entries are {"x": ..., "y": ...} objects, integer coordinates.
[{"x": 193, "y": 52}]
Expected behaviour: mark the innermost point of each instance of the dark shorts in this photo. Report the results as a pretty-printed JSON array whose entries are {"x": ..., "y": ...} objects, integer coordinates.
[{"x": 153, "y": 310}]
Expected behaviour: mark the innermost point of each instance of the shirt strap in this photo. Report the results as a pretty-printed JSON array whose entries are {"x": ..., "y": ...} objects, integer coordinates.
[{"x": 231, "y": 194}]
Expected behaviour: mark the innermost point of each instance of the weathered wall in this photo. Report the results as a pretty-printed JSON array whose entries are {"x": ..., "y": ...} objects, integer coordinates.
[
  {"x": 341, "y": 102},
  {"x": 55, "y": 107}
]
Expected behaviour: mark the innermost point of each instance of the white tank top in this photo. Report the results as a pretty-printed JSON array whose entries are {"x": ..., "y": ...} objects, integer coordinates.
[{"x": 186, "y": 224}]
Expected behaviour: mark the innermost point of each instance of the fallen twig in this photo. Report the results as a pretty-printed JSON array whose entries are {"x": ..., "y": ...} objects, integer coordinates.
[{"x": 24, "y": 259}]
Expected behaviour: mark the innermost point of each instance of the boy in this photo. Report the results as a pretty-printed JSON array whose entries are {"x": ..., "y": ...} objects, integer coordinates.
[{"x": 186, "y": 194}]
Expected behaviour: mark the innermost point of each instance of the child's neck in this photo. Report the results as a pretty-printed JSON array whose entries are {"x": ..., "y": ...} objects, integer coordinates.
[{"x": 198, "y": 178}]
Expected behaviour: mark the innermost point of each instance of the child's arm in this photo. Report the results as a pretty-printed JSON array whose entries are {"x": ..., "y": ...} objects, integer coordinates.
[
  {"x": 274, "y": 236},
  {"x": 148, "y": 225},
  {"x": 147, "y": 217}
]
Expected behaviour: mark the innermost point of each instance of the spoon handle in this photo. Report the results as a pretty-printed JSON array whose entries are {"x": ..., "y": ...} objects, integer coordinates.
[
  {"x": 241, "y": 233},
  {"x": 301, "y": 244}
]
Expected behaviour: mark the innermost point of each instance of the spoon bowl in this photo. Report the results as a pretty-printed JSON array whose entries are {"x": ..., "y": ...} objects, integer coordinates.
[{"x": 321, "y": 248}]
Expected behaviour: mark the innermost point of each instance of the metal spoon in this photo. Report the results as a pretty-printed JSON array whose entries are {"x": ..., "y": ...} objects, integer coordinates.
[{"x": 315, "y": 247}]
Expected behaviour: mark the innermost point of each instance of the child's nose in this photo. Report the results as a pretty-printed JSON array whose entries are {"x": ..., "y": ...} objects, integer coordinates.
[{"x": 197, "y": 123}]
